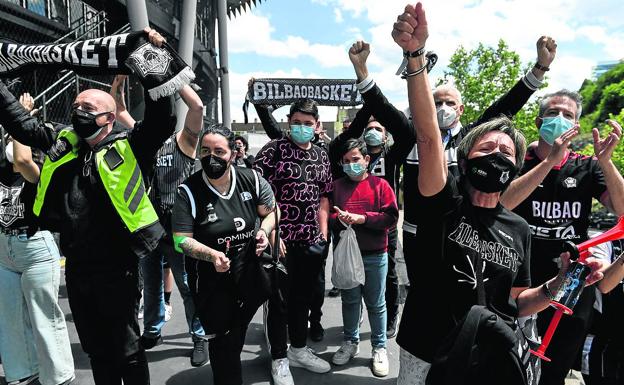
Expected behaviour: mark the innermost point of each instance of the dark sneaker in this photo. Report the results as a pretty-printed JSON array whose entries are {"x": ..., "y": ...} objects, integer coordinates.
[
  {"x": 334, "y": 292},
  {"x": 149, "y": 342},
  {"x": 199, "y": 356},
  {"x": 392, "y": 328},
  {"x": 316, "y": 331}
]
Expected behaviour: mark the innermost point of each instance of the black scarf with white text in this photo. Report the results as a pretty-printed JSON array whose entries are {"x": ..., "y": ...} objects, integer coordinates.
[{"x": 160, "y": 70}]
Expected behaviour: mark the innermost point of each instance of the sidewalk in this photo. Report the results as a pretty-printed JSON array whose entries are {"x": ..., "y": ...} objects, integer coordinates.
[{"x": 170, "y": 362}]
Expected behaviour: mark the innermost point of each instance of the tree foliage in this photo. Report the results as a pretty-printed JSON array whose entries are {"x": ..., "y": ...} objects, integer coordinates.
[
  {"x": 604, "y": 99},
  {"x": 484, "y": 74}
]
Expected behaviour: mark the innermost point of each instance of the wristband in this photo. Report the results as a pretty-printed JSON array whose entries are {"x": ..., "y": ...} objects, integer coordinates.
[
  {"x": 431, "y": 58},
  {"x": 406, "y": 56},
  {"x": 177, "y": 241},
  {"x": 365, "y": 84},
  {"x": 541, "y": 67},
  {"x": 416, "y": 53}
]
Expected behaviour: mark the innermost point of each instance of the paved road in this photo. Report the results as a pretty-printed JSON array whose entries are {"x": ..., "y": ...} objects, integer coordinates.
[{"x": 170, "y": 362}]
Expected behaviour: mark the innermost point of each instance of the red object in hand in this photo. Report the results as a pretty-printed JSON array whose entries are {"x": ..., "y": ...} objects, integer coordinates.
[
  {"x": 579, "y": 253},
  {"x": 616, "y": 232}
]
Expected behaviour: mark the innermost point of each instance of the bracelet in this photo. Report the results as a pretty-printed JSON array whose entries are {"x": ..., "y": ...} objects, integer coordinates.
[
  {"x": 547, "y": 291},
  {"x": 430, "y": 60},
  {"x": 406, "y": 56},
  {"x": 541, "y": 67},
  {"x": 416, "y": 53},
  {"x": 406, "y": 74}
]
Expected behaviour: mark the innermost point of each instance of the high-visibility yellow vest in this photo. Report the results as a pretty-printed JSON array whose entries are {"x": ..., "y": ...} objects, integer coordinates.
[{"x": 120, "y": 175}]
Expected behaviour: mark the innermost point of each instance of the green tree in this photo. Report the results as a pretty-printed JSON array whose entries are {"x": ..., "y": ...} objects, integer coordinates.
[
  {"x": 484, "y": 74},
  {"x": 603, "y": 99}
]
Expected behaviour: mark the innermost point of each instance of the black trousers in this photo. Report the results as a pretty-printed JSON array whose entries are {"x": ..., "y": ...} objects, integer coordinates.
[
  {"x": 392, "y": 279},
  {"x": 568, "y": 339},
  {"x": 105, "y": 309},
  {"x": 304, "y": 264},
  {"x": 318, "y": 298},
  {"x": 225, "y": 349},
  {"x": 225, "y": 321}
]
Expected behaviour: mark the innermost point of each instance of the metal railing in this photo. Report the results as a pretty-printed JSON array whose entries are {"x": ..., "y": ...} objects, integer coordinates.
[{"x": 56, "y": 100}]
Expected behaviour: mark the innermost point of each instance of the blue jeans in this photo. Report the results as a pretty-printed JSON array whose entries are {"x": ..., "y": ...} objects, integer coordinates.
[
  {"x": 33, "y": 334},
  {"x": 374, "y": 293},
  {"x": 153, "y": 291}
]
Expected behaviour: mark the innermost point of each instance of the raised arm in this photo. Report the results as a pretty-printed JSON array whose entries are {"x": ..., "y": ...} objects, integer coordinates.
[
  {"x": 22, "y": 155},
  {"x": 270, "y": 125},
  {"x": 389, "y": 116},
  {"x": 158, "y": 123},
  {"x": 187, "y": 137},
  {"x": 148, "y": 135},
  {"x": 513, "y": 101},
  {"x": 613, "y": 198},
  {"x": 118, "y": 93},
  {"x": 410, "y": 32},
  {"x": 21, "y": 125}
]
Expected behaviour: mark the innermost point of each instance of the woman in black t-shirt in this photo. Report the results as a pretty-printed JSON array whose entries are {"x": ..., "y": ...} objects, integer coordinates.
[
  {"x": 473, "y": 249},
  {"x": 218, "y": 211}
]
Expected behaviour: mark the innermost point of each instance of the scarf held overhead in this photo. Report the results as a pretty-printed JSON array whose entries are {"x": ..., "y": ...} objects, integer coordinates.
[
  {"x": 326, "y": 92},
  {"x": 160, "y": 70}
]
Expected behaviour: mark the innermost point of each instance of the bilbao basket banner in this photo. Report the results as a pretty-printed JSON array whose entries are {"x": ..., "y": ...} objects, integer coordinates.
[
  {"x": 160, "y": 70},
  {"x": 326, "y": 92}
]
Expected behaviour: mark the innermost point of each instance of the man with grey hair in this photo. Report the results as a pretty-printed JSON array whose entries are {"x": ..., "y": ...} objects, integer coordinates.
[
  {"x": 449, "y": 109},
  {"x": 554, "y": 195}
]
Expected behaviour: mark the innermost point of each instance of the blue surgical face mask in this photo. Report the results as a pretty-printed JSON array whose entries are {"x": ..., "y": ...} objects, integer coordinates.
[
  {"x": 373, "y": 138},
  {"x": 301, "y": 134},
  {"x": 553, "y": 127},
  {"x": 353, "y": 170}
]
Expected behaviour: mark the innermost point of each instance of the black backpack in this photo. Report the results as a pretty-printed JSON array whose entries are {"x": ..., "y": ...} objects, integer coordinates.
[{"x": 482, "y": 350}]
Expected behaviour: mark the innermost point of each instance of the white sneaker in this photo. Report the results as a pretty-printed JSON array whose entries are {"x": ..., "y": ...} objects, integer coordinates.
[
  {"x": 168, "y": 312},
  {"x": 280, "y": 370},
  {"x": 381, "y": 367},
  {"x": 305, "y": 358},
  {"x": 347, "y": 351}
]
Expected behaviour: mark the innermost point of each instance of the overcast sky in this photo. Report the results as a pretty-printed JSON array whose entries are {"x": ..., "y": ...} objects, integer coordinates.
[{"x": 310, "y": 39}]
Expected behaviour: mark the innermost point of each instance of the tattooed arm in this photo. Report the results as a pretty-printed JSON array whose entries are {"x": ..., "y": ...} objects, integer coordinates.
[
  {"x": 182, "y": 225},
  {"x": 195, "y": 249}
]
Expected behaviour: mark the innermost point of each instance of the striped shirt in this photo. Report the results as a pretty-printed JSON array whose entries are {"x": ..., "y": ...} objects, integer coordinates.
[{"x": 171, "y": 168}]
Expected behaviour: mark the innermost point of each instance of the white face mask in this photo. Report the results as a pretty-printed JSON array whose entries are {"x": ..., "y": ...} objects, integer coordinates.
[
  {"x": 446, "y": 116},
  {"x": 9, "y": 151}
]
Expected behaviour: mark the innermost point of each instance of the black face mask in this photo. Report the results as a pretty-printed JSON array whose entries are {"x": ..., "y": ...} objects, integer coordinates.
[
  {"x": 213, "y": 166},
  {"x": 84, "y": 123},
  {"x": 490, "y": 173}
]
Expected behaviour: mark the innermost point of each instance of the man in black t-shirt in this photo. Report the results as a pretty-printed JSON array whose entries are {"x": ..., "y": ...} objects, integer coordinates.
[{"x": 554, "y": 195}]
